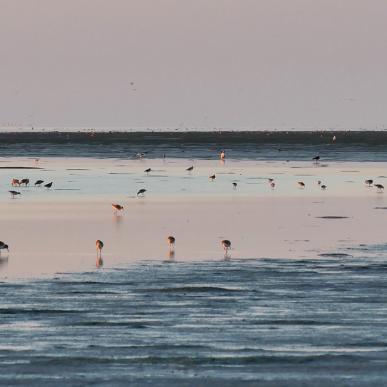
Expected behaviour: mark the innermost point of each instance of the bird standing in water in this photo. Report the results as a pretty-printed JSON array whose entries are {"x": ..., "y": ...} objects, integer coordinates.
[
  {"x": 141, "y": 192},
  {"x": 301, "y": 184},
  {"x": 3, "y": 246},
  {"x": 117, "y": 207},
  {"x": 190, "y": 169},
  {"x": 369, "y": 182},
  {"x": 48, "y": 185},
  {"x": 99, "y": 247},
  {"x": 171, "y": 241},
  {"x": 226, "y": 245},
  {"x": 379, "y": 187},
  {"x": 14, "y": 193},
  {"x": 222, "y": 155},
  {"x": 212, "y": 177}
]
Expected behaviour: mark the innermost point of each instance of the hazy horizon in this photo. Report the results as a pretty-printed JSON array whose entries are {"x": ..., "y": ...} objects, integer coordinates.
[{"x": 193, "y": 64}]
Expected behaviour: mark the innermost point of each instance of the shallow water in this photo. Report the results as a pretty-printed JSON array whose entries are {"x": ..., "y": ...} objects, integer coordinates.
[{"x": 261, "y": 322}]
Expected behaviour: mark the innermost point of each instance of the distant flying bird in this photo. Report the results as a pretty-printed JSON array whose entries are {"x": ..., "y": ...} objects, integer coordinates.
[
  {"x": 316, "y": 158},
  {"x": 189, "y": 169},
  {"x": 301, "y": 184},
  {"x": 48, "y": 185},
  {"x": 15, "y": 182},
  {"x": 226, "y": 245},
  {"x": 141, "y": 192},
  {"x": 117, "y": 207},
  {"x": 25, "y": 182},
  {"x": 99, "y": 247},
  {"x": 171, "y": 241},
  {"x": 380, "y": 187},
  {"x": 222, "y": 155},
  {"x": 14, "y": 193},
  {"x": 212, "y": 177},
  {"x": 323, "y": 187},
  {"x": 39, "y": 182},
  {"x": 369, "y": 182},
  {"x": 3, "y": 246},
  {"x": 148, "y": 170},
  {"x": 235, "y": 185}
]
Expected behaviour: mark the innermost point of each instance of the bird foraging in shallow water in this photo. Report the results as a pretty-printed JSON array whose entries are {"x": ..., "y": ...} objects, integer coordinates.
[
  {"x": 323, "y": 187},
  {"x": 212, "y": 177},
  {"x": 48, "y": 185},
  {"x": 14, "y": 193},
  {"x": 272, "y": 185},
  {"x": 38, "y": 182},
  {"x": 369, "y": 182},
  {"x": 117, "y": 207},
  {"x": 234, "y": 185},
  {"x": 141, "y": 192},
  {"x": 318, "y": 182},
  {"x": 15, "y": 182},
  {"x": 189, "y": 169},
  {"x": 316, "y": 159},
  {"x": 171, "y": 241},
  {"x": 3, "y": 246},
  {"x": 379, "y": 187},
  {"x": 226, "y": 245},
  {"x": 99, "y": 247},
  {"x": 270, "y": 180},
  {"x": 148, "y": 170},
  {"x": 301, "y": 184}
]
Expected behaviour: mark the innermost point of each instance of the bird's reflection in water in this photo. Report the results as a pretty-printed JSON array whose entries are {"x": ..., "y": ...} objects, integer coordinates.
[
  {"x": 99, "y": 262},
  {"x": 170, "y": 256},
  {"x": 117, "y": 219},
  {"x": 3, "y": 263},
  {"x": 227, "y": 256}
]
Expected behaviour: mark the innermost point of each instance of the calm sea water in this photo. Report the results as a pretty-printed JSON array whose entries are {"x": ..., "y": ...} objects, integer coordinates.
[{"x": 221, "y": 323}]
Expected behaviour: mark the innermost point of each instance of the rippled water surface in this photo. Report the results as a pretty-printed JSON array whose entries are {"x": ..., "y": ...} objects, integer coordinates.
[{"x": 247, "y": 322}]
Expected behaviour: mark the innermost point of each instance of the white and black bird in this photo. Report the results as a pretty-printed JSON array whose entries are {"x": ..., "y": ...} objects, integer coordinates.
[
  {"x": 226, "y": 245},
  {"x": 234, "y": 185},
  {"x": 212, "y": 177},
  {"x": 141, "y": 192},
  {"x": 369, "y": 182},
  {"x": 14, "y": 193},
  {"x": 323, "y": 187},
  {"x": 99, "y": 247},
  {"x": 301, "y": 184},
  {"x": 171, "y": 241},
  {"x": 3, "y": 246},
  {"x": 316, "y": 158},
  {"x": 379, "y": 187},
  {"x": 25, "y": 182}
]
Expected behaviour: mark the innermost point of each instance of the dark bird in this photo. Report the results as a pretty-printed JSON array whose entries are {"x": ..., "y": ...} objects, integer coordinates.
[
  {"x": 323, "y": 187},
  {"x": 272, "y": 185},
  {"x": 15, "y": 182},
  {"x": 3, "y": 246},
  {"x": 212, "y": 177},
  {"x": 189, "y": 169},
  {"x": 380, "y": 187},
  {"x": 270, "y": 180},
  {"x": 148, "y": 170},
  {"x": 117, "y": 207},
  {"x": 316, "y": 158},
  {"x": 171, "y": 241},
  {"x": 141, "y": 192},
  {"x": 301, "y": 184},
  {"x": 369, "y": 182},
  {"x": 25, "y": 182},
  {"x": 14, "y": 193},
  {"x": 48, "y": 185},
  {"x": 39, "y": 182},
  {"x": 226, "y": 245},
  {"x": 235, "y": 185},
  {"x": 319, "y": 182}
]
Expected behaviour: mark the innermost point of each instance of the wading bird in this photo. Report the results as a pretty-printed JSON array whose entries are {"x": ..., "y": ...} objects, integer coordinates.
[
  {"x": 117, "y": 207},
  {"x": 141, "y": 192},
  {"x": 301, "y": 184},
  {"x": 171, "y": 241},
  {"x": 272, "y": 185},
  {"x": 38, "y": 183},
  {"x": 148, "y": 170},
  {"x": 379, "y": 187},
  {"x": 14, "y": 193},
  {"x": 222, "y": 155},
  {"x": 369, "y": 182},
  {"x": 323, "y": 187},
  {"x": 212, "y": 177},
  {"x": 3, "y": 246},
  {"x": 190, "y": 169},
  {"x": 318, "y": 182},
  {"x": 15, "y": 182},
  {"x": 99, "y": 247},
  {"x": 25, "y": 182},
  {"x": 226, "y": 245},
  {"x": 48, "y": 185}
]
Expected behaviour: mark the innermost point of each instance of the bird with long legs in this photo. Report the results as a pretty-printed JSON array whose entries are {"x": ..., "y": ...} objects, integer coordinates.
[
  {"x": 15, "y": 182},
  {"x": 48, "y": 185},
  {"x": 38, "y": 183},
  {"x": 25, "y": 182},
  {"x": 141, "y": 192},
  {"x": 3, "y": 246},
  {"x": 99, "y": 247},
  {"x": 14, "y": 193},
  {"x": 148, "y": 170},
  {"x": 190, "y": 169},
  {"x": 369, "y": 182},
  {"x": 226, "y": 246},
  {"x": 316, "y": 159},
  {"x": 171, "y": 242},
  {"x": 379, "y": 187},
  {"x": 301, "y": 184}
]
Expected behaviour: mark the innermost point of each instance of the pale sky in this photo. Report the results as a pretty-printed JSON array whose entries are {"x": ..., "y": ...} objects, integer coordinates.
[{"x": 193, "y": 63}]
